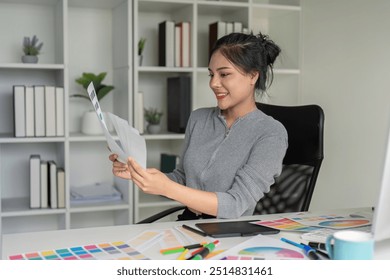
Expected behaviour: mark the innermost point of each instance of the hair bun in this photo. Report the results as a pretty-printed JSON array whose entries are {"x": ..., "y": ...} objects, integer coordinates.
[{"x": 271, "y": 49}]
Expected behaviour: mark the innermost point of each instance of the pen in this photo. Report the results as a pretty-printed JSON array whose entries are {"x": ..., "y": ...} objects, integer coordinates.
[
  {"x": 194, "y": 230},
  {"x": 204, "y": 252},
  {"x": 182, "y": 255},
  {"x": 309, "y": 251},
  {"x": 323, "y": 254},
  {"x": 317, "y": 245},
  {"x": 178, "y": 249}
]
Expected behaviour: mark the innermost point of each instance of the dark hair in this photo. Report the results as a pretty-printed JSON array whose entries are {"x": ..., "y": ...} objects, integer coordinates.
[{"x": 251, "y": 53}]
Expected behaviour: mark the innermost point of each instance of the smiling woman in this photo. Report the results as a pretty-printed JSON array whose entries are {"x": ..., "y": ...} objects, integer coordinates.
[{"x": 232, "y": 152}]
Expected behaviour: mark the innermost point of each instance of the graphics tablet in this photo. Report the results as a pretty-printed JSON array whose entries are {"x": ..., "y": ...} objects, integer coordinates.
[{"x": 236, "y": 228}]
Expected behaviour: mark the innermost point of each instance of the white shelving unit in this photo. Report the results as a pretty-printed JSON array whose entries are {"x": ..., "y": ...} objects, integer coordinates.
[
  {"x": 102, "y": 36},
  {"x": 79, "y": 36},
  {"x": 279, "y": 19}
]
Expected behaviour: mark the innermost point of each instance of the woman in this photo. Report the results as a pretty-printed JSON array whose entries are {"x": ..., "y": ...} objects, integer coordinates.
[{"x": 232, "y": 152}]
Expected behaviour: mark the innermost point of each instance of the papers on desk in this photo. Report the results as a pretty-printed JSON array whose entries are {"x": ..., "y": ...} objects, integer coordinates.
[
  {"x": 94, "y": 193},
  {"x": 305, "y": 222},
  {"x": 132, "y": 144},
  {"x": 262, "y": 247},
  {"x": 168, "y": 238}
]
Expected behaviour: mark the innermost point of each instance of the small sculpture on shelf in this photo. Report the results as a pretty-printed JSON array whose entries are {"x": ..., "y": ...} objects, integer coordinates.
[
  {"x": 31, "y": 49},
  {"x": 141, "y": 46},
  {"x": 90, "y": 124},
  {"x": 153, "y": 118}
]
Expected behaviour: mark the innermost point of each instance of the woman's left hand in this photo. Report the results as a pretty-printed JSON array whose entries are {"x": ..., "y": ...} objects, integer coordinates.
[{"x": 150, "y": 180}]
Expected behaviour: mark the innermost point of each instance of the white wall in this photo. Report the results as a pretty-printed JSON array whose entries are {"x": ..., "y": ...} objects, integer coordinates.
[{"x": 346, "y": 59}]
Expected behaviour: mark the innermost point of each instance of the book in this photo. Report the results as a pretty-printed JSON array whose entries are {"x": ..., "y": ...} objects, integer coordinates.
[
  {"x": 50, "y": 111},
  {"x": 229, "y": 27},
  {"x": 29, "y": 107},
  {"x": 52, "y": 184},
  {"x": 166, "y": 43},
  {"x": 179, "y": 103},
  {"x": 35, "y": 181},
  {"x": 237, "y": 26},
  {"x": 168, "y": 162},
  {"x": 39, "y": 110},
  {"x": 60, "y": 117},
  {"x": 177, "y": 46},
  {"x": 139, "y": 112},
  {"x": 19, "y": 111},
  {"x": 185, "y": 43},
  {"x": 216, "y": 30},
  {"x": 60, "y": 187},
  {"x": 44, "y": 184}
]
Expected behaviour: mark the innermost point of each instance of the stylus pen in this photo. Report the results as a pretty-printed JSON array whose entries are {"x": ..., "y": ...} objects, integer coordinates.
[{"x": 201, "y": 233}]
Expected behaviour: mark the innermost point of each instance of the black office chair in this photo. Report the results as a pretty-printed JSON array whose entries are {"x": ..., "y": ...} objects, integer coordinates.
[{"x": 293, "y": 189}]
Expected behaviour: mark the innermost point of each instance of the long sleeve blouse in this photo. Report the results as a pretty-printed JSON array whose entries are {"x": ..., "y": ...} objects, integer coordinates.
[{"x": 239, "y": 163}]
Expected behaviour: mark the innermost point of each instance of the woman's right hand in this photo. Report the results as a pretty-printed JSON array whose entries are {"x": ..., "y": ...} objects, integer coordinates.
[{"x": 119, "y": 169}]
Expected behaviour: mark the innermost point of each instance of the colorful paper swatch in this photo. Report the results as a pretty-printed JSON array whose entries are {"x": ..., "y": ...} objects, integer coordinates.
[
  {"x": 286, "y": 224},
  {"x": 268, "y": 253},
  {"x": 104, "y": 251},
  {"x": 332, "y": 221},
  {"x": 261, "y": 247}
]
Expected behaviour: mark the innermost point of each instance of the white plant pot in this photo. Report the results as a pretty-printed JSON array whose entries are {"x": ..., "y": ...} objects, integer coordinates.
[
  {"x": 91, "y": 125},
  {"x": 153, "y": 128},
  {"x": 29, "y": 59}
]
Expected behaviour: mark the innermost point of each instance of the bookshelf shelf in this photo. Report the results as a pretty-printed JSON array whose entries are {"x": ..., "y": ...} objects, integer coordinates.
[{"x": 19, "y": 207}]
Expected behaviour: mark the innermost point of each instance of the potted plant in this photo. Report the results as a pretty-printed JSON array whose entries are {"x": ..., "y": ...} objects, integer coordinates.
[
  {"x": 153, "y": 118},
  {"x": 90, "y": 123},
  {"x": 31, "y": 49},
  {"x": 141, "y": 46}
]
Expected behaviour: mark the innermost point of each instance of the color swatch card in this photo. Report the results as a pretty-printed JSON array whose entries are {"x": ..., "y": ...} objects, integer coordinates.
[
  {"x": 286, "y": 225},
  {"x": 103, "y": 251},
  {"x": 152, "y": 241},
  {"x": 332, "y": 221},
  {"x": 262, "y": 247}
]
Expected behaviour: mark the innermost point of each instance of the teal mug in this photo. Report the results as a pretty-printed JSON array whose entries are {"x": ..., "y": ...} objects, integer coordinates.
[{"x": 350, "y": 245}]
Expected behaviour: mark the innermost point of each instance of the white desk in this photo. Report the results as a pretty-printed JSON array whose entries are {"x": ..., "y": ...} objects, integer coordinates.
[{"x": 38, "y": 241}]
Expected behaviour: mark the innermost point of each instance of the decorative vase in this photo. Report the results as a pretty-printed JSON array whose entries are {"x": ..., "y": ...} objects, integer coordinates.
[
  {"x": 29, "y": 59},
  {"x": 153, "y": 128},
  {"x": 140, "y": 58}
]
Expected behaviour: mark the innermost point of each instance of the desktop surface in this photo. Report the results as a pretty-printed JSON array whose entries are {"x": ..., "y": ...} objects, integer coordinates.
[{"x": 19, "y": 243}]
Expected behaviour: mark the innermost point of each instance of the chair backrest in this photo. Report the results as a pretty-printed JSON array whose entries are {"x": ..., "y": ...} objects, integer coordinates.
[{"x": 294, "y": 188}]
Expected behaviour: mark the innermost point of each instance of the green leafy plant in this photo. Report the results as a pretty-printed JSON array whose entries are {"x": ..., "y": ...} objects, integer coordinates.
[
  {"x": 152, "y": 115},
  {"x": 101, "y": 89},
  {"x": 31, "y": 46},
  {"x": 141, "y": 45}
]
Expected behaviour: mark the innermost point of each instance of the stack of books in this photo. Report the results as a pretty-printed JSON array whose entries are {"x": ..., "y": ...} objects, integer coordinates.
[
  {"x": 47, "y": 184},
  {"x": 219, "y": 29},
  {"x": 38, "y": 111},
  {"x": 174, "y": 44}
]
